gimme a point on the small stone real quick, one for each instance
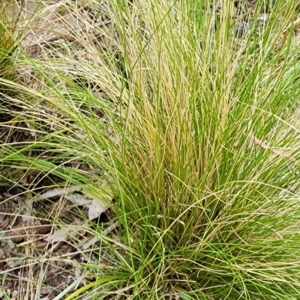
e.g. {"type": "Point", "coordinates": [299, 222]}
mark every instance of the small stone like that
{"type": "Point", "coordinates": [241, 29]}
{"type": "Point", "coordinates": [263, 18]}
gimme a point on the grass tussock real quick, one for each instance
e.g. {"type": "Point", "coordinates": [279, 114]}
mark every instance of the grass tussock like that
{"type": "Point", "coordinates": [198, 131]}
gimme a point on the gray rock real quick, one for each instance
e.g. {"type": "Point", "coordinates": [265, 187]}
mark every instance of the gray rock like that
{"type": "Point", "coordinates": [241, 29]}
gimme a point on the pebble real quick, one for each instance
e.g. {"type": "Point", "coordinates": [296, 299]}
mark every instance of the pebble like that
{"type": "Point", "coordinates": [241, 29]}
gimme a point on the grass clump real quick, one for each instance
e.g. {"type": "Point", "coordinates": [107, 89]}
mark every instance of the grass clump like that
{"type": "Point", "coordinates": [198, 131]}
{"type": "Point", "coordinates": [9, 41]}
